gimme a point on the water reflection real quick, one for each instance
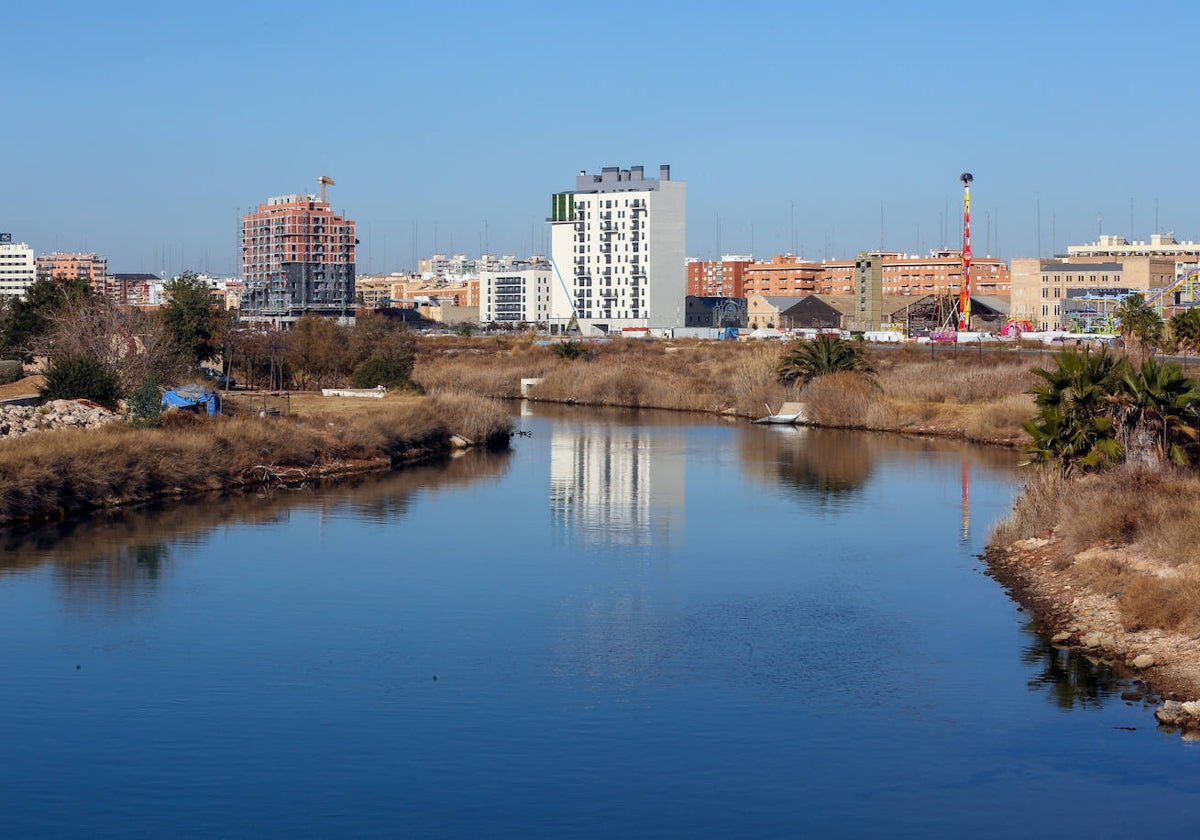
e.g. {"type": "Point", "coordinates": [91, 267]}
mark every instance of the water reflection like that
{"type": "Point", "coordinates": [1069, 678]}
{"type": "Point", "coordinates": [826, 464]}
{"type": "Point", "coordinates": [114, 556]}
{"type": "Point", "coordinates": [831, 467]}
{"type": "Point", "coordinates": [617, 485]}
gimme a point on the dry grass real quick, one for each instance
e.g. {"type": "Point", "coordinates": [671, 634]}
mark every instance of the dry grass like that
{"type": "Point", "coordinates": [1168, 602]}
{"type": "Point", "coordinates": [964, 395]}
{"type": "Point", "coordinates": [1037, 510]}
{"type": "Point", "coordinates": [51, 474]}
{"type": "Point", "coordinates": [848, 401]}
{"type": "Point", "coordinates": [1131, 535]}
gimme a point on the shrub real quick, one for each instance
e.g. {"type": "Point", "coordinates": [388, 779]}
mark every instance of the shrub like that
{"type": "Point", "coordinates": [572, 350]}
{"type": "Point", "coordinates": [81, 377]}
{"type": "Point", "coordinates": [381, 371]}
{"type": "Point", "coordinates": [10, 371]}
{"type": "Point", "coordinates": [145, 404]}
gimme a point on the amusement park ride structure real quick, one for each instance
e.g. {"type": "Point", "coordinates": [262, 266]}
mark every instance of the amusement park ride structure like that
{"type": "Point", "coordinates": [1091, 311]}
{"type": "Point", "coordinates": [1094, 310]}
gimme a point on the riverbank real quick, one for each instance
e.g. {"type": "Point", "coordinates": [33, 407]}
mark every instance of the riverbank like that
{"type": "Point", "coordinates": [1110, 565]}
{"type": "Point", "coordinates": [942, 391]}
{"type": "Point", "coordinates": [56, 474]}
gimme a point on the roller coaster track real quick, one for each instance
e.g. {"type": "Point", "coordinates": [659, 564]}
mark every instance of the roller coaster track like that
{"type": "Point", "coordinates": [1185, 281]}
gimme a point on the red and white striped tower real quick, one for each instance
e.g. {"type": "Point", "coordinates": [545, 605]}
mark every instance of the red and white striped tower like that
{"type": "Point", "coordinates": [964, 291]}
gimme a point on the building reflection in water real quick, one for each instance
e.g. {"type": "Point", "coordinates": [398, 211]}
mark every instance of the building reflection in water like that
{"type": "Point", "coordinates": [612, 485]}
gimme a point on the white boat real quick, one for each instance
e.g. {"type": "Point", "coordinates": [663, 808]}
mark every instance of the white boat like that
{"type": "Point", "coordinates": [789, 414]}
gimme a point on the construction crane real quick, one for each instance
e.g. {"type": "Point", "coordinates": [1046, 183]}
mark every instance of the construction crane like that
{"type": "Point", "coordinates": [325, 181]}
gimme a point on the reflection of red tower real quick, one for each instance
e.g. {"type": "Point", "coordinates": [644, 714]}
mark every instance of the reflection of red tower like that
{"type": "Point", "coordinates": [964, 291]}
{"type": "Point", "coordinates": [966, 499]}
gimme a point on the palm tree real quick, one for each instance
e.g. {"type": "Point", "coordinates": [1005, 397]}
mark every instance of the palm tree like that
{"type": "Point", "coordinates": [1141, 325]}
{"type": "Point", "coordinates": [824, 355]}
{"type": "Point", "coordinates": [1074, 425]}
{"type": "Point", "coordinates": [1157, 409]}
{"type": "Point", "coordinates": [1185, 329]}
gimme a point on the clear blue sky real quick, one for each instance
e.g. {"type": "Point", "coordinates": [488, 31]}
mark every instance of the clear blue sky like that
{"type": "Point", "coordinates": [142, 130]}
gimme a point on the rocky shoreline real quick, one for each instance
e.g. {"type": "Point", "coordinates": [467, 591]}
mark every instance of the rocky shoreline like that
{"type": "Point", "coordinates": [1075, 616]}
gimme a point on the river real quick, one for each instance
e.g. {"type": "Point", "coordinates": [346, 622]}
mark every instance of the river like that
{"type": "Point", "coordinates": [631, 624]}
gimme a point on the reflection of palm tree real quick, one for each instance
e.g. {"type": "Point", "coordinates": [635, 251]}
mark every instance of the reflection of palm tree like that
{"type": "Point", "coordinates": [1071, 678]}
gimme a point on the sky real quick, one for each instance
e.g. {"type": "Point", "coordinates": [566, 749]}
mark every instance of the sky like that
{"type": "Point", "coordinates": [143, 131]}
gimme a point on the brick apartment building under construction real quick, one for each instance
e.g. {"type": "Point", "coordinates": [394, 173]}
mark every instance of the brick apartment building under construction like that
{"type": "Point", "coordinates": [297, 258]}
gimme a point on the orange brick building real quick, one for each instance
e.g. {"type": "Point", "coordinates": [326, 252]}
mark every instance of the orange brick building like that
{"type": "Point", "coordinates": [718, 278]}
{"type": "Point", "coordinates": [786, 275]}
{"type": "Point", "coordinates": [92, 266]}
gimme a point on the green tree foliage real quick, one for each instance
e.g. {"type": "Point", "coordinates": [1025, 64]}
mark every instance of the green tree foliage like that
{"type": "Point", "coordinates": [807, 360]}
{"type": "Point", "coordinates": [10, 371]}
{"type": "Point", "coordinates": [81, 377]}
{"type": "Point", "coordinates": [192, 321]}
{"type": "Point", "coordinates": [1074, 426]}
{"type": "Point", "coordinates": [1141, 326]}
{"type": "Point", "coordinates": [145, 404]}
{"type": "Point", "coordinates": [571, 350]}
{"type": "Point", "coordinates": [1157, 409]}
{"type": "Point", "coordinates": [379, 371]}
{"type": "Point", "coordinates": [1095, 410]}
{"type": "Point", "coordinates": [27, 320]}
{"type": "Point", "coordinates": [390, 342]}
{"type": "Point", "coordinates": [1185, 330]}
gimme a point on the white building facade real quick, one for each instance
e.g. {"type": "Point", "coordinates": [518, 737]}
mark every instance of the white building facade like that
{"type": "Point", "coordinates": [516, 293]}
{"type": "Point", "coordinates": [18, 267]}
{"type": "Point", "coordinates": [618, 246]}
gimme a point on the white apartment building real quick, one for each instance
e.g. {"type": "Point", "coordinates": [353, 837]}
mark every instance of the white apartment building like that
{"type": "Point", "coordinates": [515, 293]}
{"type": "Point", "coordinates": [618, 246]}
{"type": "Point", "coordinates": [18, 267]}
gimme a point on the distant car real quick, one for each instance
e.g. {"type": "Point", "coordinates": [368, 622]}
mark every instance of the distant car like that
{"type": "Point", "coordinates": [214, 375]}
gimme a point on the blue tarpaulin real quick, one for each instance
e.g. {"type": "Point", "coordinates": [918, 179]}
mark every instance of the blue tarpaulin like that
{"type": "Point", "coordinates": [193, 396]}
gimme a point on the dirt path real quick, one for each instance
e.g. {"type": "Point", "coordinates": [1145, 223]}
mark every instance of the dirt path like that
{"type": "Point", "coordinates": [22, 387]}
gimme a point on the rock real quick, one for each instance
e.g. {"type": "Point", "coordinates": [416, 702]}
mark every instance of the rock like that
{"type": "Point", "coordinates": [1060, 638]}
{"type": "Point", "coordinates": [1091, 640]}
{"type": "Point", "coordinates": [1169, 713]}
{"type": "Point", "coordinates": [1143, 662]}
{"type": "Point", "coordinates": [460, 442]}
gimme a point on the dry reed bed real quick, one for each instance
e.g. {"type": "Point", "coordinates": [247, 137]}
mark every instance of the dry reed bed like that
{"type": "Point", "coordinates": [977, 397]}
{"type": "Point", "coordinates": [52, 474]}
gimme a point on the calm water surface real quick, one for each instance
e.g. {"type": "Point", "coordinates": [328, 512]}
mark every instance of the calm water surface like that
{"type": "Point", "coordinates": [631, 625]}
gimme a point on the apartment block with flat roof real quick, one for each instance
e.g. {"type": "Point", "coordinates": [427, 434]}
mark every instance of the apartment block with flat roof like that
{"type": "Point", "coordinates": [18, 268]}
{"type": "Point", "coordinates": [516, 294]}
{"type": "Point", "coordinates": [725, 277]}
{"type": "Point", "coordinates": [1118, 247]}
{"type": "Point", "coordinates": [92, 266]}
{"type": "Point", "coordinates": [618, 251]}
{"type": "Point", "coordinates": [903, 274]}
{"type": "Point", "coordinates": [297, 258]}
